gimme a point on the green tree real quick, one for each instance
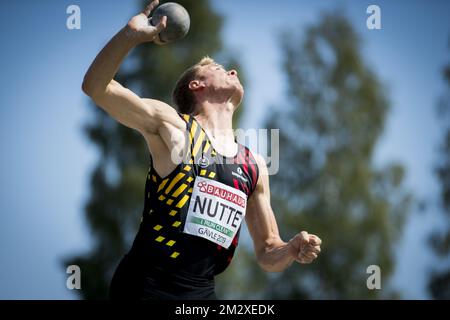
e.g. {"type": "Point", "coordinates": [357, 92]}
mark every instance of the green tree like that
{"type": "Point", "coordinates": [117, 183]}
{"type": "Point", "coordinates": [327, 183]}
{"type": "Point", "coordinates": [439, 283]}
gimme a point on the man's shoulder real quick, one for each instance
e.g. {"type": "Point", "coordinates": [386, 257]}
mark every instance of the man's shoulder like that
{"type": "Point", "coordinates": [166, 112]}
{"type": "Point", "coordinates": [260, 161]}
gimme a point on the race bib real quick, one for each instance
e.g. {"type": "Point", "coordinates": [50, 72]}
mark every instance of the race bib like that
{"type": "Point", "coordinates": [215, 212]}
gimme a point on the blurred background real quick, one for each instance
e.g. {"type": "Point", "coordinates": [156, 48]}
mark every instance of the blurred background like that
{"type": "Point", "coordinates": [364, 142]}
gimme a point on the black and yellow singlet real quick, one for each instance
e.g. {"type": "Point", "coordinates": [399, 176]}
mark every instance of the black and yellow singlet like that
{"type": "Point", "coordinates": [190, 225]}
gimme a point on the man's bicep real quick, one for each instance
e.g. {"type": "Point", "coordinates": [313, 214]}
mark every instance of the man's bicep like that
{"type": "Point", "coordinates": [260, 218]}
{"type": "Point", "coordinates": [144, 115]}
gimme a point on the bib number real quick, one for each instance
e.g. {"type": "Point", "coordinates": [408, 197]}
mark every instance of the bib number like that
{"type": "Point", "coordinates": [215, 212]}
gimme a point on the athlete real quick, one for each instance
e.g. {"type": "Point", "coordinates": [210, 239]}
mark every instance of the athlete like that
{"type": "Point", "coordinates": [201, 183]}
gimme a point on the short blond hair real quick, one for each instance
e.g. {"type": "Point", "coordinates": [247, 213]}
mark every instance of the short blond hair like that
{"type": "Point", "coordinates": [182, 96]}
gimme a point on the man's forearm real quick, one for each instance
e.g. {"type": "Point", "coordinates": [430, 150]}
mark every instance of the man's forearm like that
{"type": "Point", "coordinates": [276, 258]}
{"type": "Point", "coordinates": [107, 62]}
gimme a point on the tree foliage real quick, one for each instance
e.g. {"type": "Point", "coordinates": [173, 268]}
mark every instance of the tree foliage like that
{"type": "Point", "coordinates": [328, 183]}
{"type": "Point", "coordinates": [439, 283]}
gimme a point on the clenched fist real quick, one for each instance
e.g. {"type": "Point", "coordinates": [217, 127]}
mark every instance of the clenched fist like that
{"type": "Point", "coordinates": [304, 247]}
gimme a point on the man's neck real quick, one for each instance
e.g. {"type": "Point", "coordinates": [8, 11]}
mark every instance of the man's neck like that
{"type": "Point", "coordinates": [216, 119]}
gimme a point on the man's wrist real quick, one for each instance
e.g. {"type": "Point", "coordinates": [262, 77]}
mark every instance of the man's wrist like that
{"type": "Point", "coordinates": [130, 37]}
{"type": "Point", "coordinates": [291, 251]}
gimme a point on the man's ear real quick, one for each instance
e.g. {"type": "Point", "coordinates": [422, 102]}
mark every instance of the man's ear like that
{"type": "Point", "coordinates": [195, 85]}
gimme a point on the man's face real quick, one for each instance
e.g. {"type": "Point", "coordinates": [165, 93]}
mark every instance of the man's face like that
{"type": "Point", "coordinates": [221, 83]}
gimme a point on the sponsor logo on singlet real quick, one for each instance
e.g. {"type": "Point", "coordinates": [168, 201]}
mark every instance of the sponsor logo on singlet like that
{"type": "Point", "coordinates": [239, 175]}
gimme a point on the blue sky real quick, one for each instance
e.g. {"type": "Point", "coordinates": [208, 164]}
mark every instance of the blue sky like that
{"type": "Point", "coordinates": [46, 161]}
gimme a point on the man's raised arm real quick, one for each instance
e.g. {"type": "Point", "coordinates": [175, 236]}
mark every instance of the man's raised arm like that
{"type": "Point", "coordinates": [121, 103]}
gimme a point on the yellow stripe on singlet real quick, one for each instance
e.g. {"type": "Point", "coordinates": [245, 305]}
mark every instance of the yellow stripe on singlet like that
{"type": "Point", "coordinates": [193, 131]}
{"type": "Point", "coordinates": [176, 223]}
{"type": "Point", "coordinates": [174, 181]}
{"type": "Point", "coordinates": [162, 184]}
{"type": "Point", "coordinates": [179, 190]}
{"type": "Point", "coordinates": [170, 243]}
{"type": "Point", "coordinates": [181, 203]}
{"type": "Point", "coordinates": [198, 143]}
{"type": "Point", "coordinates": [206, 148]}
